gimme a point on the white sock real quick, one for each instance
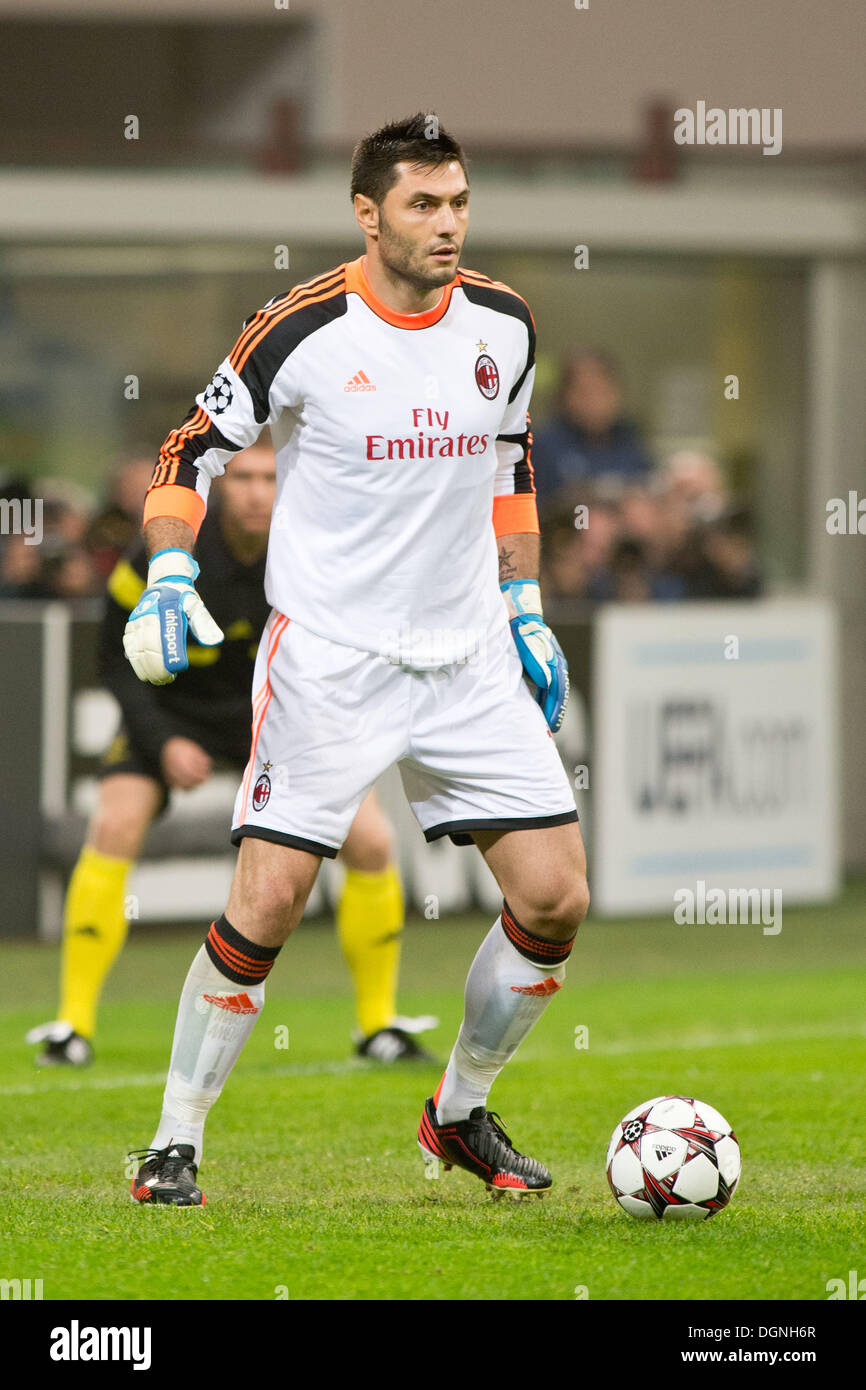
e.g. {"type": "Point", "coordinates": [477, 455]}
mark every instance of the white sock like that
{"type": "Point", "coordinates": [208, 1039]}
{"type": "Point", "coordinates": [506, 994]}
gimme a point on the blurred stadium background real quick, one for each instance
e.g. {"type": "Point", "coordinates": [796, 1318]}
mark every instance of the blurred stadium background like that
{"type": "Point", "coordinates": [716, 629]}
{"type": "Point", "coordinates": [128, 264]}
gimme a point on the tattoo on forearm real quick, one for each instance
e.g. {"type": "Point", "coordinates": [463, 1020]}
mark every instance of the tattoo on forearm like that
{"type": "Point", "coordinates": [507, 567]}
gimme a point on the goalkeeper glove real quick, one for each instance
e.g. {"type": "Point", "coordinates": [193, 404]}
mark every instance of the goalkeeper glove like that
{"type": "Point", "coordinates": [543, 662]}
{"type": "Point", "coordinates": [155, 636]}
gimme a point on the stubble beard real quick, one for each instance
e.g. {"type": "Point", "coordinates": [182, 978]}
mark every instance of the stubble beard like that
{"type": "Point", "coordinates": [403, 257]}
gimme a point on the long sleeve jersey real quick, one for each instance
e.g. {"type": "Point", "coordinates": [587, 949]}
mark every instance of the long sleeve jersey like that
{"type": "Point", "coordinates": [210, 701]}
{"type": "Point", "coordinates": [398, 439]}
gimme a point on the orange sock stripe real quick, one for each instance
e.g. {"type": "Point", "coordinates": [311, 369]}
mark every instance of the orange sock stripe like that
{"type": "Point", "coordinates": [224, 945]}
{"type": "Point", "coordinates": [243, 974]}
{"type": "Point", "coordinates": [536, 948]}
{"type": "Point", "coordinates": [237, 959]}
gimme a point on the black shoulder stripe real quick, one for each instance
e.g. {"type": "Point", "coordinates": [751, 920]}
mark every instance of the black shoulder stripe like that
{"type": "Point", "coordinates": [183, 447]}
{"type": "Point", "coordinates": [318, 285]}
{"type": "Point", "coordinates": [505, 303]}
{"type": "Point", "coordinates": [523, 476]}
{"type": "Point", "coordinates": [280, 341]}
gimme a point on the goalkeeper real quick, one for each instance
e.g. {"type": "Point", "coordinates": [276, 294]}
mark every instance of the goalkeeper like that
{"type": "Point", "coordinates": [173, 737]}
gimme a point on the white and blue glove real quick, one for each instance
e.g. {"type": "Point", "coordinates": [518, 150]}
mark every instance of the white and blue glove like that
{"type": "Point", "coordinates": [155, 636]}
{"type": "Point", "coordinates": [543, 662]}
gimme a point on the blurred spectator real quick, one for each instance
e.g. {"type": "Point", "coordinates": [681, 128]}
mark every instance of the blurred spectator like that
{"type": "Point", "coordinates": [118, 522]}
{"type": "Point", "coordinates": [12, 487]}
{"type": "Point", "coordinates": [696, 480]}
{"type": "Point", "coordinates": [726, 565]}
{"type": "Point", "coordinates": [66, 509]}
{"type": "Point", "coordinates": [576, 549]}
{"type": "Point", "coordinates": [567, 569]}
{"type": "Point", "coordinates": [589, 436]}
{"type": "Point", "coordinates": [57, 565]}
{"type": "Point", "coordinates": [677, 538]}
{"type": "Point", "coordinates": [21, 570]}
{"type": "Point", "coordinates": [631, 577]}
{"type": "Point", "coordinates": [70, 574]}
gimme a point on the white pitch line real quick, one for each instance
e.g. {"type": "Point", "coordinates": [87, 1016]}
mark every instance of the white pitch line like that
{"type": "Point", "coordinates": [157, 1078]}
{"type": "Point", "coordinates": [743, 1038]}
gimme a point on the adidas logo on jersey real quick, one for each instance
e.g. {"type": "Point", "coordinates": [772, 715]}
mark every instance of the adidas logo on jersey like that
{"type": "Point", "coordinates": [359, 382]}
{"type": "Point", "coordinates": [234, 1003]}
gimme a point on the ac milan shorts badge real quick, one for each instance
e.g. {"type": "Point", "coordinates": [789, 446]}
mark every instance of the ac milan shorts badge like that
{"type": "Point", "coordinates": [487, 376]}
{"type": "Point", "coordinates": [261, 792]}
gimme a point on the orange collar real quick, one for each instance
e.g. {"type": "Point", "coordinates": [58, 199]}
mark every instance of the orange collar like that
{"type": "Point", "coordinates": [357, 283]}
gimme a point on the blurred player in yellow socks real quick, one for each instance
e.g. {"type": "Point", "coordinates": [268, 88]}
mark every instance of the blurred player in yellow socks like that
{"type": "Point", "coordinates": [94, 930]}
{"type": "Point", "coordinates": [370, 926]}
{"type": "Point", "coordinates": [173, 737]}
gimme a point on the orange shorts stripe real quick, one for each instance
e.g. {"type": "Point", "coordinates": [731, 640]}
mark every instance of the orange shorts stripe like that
{"type": "Point", "coordinates": [260, 707]}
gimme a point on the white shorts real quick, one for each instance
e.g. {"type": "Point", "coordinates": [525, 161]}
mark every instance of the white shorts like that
{"type": "Point", "coordinates": [473, 747]}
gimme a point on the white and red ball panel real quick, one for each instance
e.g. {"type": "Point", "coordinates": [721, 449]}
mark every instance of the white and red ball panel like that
{"type": "Point", "coordinates": [729, 1161]}
{"type": "Point", "coordinates": [663, 1152]}
{"type": "Point", "coordinates": [686, 1211]}
{"type": "Point", "coordinates": [673, 1158]}
{"type": "Point", "coordinates": [626, 1172]}
{"type": "Point", "coordinates": [710, 1118]}
{"type": "Point", "coordinates": [641, 1109]}
{"type": "Point", "coordinates": [635, 1206]}
{"type": "Point", "coordinates": [697, 1179]}
{"type": "Point", "coordinates": [673, 1112]}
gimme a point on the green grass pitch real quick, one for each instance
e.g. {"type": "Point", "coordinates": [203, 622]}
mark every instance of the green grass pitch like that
{"type": "Point", "coordinates": [314, 1182]}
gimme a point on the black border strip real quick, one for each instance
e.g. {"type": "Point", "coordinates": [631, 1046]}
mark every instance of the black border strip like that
{"type": "Point", "coordinates": [457, 829]}
{"type": "Point", "coordinates": [277, 837]}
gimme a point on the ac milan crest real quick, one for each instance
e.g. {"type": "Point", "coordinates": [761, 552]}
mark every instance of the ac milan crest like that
{"type": "Point", "coordinates": [261, 792]}
{"type": "Point", "coordinates": [487, 376]}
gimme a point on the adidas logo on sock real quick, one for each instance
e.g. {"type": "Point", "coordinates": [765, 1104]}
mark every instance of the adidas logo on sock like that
{"type": "Point", "coordinates": [234, 1003]}
{"type": "Point", "coordinates": [359, 382]}
{"type": "Point", "coordinates": [548, 986]}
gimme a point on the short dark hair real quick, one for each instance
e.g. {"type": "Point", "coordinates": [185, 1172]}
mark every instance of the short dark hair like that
{"type": "Point", "coordinates": [419, 139]}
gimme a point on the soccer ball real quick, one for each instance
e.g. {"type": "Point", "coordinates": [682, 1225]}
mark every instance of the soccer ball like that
{"type": "Point", "coordinates": [673, 1159]}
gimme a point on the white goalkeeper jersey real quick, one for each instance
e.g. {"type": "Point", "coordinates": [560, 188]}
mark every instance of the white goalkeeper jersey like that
{"type": "Point", "coordinates": [402, 449]}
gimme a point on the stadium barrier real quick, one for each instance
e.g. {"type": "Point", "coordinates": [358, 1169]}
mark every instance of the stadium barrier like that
{"type": "Point", "coordinates": [699, 740]}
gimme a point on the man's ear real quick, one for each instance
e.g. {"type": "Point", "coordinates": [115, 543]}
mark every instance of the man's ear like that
{"type": "Point", "coordinates": [366, 214]}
